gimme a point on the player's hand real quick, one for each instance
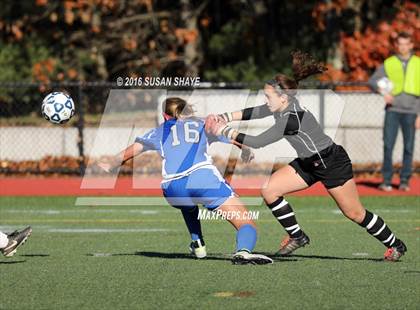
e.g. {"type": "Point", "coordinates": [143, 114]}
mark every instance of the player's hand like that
{"type": "Point", "coordinates": [247, 155]}
{"type": "Point", "coordinates": [214, 125]}
{"type": "Point", "coordinates": [210, 121]}
{"type": "Point", "coordinates": [417, 125]}
{"type": "Point", "coordinates": [388, 99]}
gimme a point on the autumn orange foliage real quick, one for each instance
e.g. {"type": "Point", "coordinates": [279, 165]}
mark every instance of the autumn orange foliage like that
{"type": "Point", "coordinates": [42, 70]}
{"type": "Point", "coordinates": [364, 51]}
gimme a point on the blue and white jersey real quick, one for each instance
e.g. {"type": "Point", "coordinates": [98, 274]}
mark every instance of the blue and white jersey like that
{"type": "Point", "coordinates": [182, 144]}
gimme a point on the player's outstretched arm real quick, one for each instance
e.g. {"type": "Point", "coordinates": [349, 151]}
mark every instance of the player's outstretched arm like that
{"type": "Point", "coordinates": [220, 128]}
{"type": "Point", "coordinates": [231, 116]}
{"type": "Point", "coordinates": [119, 159]}
{"type": "Point", "coordinates": [245, 114]}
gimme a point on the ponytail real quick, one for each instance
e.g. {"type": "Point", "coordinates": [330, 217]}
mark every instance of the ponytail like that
{"type": "Point", "coordinates": [303, 65]}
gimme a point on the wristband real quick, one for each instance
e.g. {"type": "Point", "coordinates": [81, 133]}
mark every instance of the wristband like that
{"type": "Point", "coordinates": [228, 132]}
{"type": "Point", "coordinates": [227, 116]}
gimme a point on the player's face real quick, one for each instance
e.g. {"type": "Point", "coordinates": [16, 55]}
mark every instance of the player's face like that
{"type": "Point", "coordinates": [404, 46]}
{"type": "Point", "coordinates": [275, 101]}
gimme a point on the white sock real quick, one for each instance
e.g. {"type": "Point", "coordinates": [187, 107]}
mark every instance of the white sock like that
{"type": "Point", "coordinates": [3, 240]}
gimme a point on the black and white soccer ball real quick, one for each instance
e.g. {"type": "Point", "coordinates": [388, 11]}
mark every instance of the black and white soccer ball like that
{"type": "Point", "coordinates": [57, 107]}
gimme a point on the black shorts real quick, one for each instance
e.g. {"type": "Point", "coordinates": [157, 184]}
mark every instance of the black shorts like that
{"type": "Point", "coordinates": [333, 170]}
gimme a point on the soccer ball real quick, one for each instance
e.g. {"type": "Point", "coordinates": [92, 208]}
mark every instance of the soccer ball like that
{"type": "Point", "coordinates": [385, 86]}
{"type": "Point", "coordinates": [57, 108]}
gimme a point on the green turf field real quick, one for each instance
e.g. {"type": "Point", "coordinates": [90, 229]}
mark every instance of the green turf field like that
{"type": "Point", "coordinates": [135, 257]}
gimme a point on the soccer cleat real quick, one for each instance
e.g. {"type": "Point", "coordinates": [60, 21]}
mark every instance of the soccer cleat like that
{"type": "Point", "coordinates": [289, 245]}
{"type": "Point", "coordinates": [385, 187]}
{"type": "Point", "coordinates": [394, 253]}
{"type": "Point", "coordinates": [243, 257]}
{"type": "Point", "coordinates": [198, 248]}
{"type": "Point", "coordinates": [16, 239]}
{"type": "Point", "coordinates": [404, 187]}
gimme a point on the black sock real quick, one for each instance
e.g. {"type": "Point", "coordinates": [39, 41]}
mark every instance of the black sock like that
{"type": "Point", "coordinates": [193, 223]}
{"type": "Point", "coordinates": [376, 226]}
{"type": "Point", "coordinates": [283, 212]}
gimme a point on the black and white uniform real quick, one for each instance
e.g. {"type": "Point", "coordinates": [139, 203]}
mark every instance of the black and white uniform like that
{"type": "Point", "coordinates": [319, 158]}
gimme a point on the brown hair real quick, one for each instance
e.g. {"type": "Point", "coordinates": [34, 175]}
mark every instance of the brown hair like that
{"type": "Point", "coordinates": [176, 107]}
{"type": "Point", "coordinates": [403, 35]}
{"type": "Point", "coordinates": [303, 65]}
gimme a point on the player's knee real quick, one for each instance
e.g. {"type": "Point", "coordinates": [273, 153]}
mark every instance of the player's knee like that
{"type": "Point", "coordinates": [264, 192]}
{"type": "Point", "coordinates": [355, 215]}
{"type": "Point", "coordinates": [269, 193]}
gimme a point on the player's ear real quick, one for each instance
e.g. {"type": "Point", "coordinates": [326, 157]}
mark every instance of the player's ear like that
{"type": "Point", "coordinates": [166, 116]}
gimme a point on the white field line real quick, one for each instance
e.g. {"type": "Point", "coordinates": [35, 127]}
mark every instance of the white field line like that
{"type": "Point", "coordinates": [10, 228]}
{"type": "Point", "coordinates": [46, 228]}
{"type": "Point", "coordinates": [360, 254]}
{"type": "Point", "coordinates": [137, 201]}
{"type": "Point", "coordinates": [108, 230]}
{"type": "Point", "coordinates": [54, 212]}
{"type": "Point", "coordinates": [382, 211]}
{"type": "Point", "coordinates": [101, 254]}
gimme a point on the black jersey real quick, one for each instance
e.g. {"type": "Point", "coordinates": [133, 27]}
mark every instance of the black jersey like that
{"type": "Point", "coordinates": [296, 124]}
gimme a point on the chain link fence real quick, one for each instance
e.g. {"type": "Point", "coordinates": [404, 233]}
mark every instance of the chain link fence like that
{"type": "Point", "coordinates": [31, 145]}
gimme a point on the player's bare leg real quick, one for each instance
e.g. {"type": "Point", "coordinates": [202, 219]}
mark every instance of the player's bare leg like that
{"type": "Point", "coordinates": [347, 199]}
{"type": "Point", "coordinates": [282, 182]}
